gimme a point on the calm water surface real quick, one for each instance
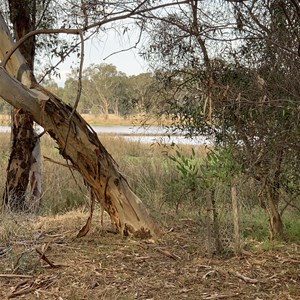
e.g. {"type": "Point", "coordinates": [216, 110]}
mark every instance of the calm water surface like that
{"type": "Point", "coordinates": [148, 134]}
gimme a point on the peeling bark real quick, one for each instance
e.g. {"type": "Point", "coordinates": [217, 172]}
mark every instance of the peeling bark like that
{"type": "Point", "coordinates": [24, 140]}
{"type": "Point", "coordinates": [80, 145]}
{"type": "Point", "coordinates": [20, 161]}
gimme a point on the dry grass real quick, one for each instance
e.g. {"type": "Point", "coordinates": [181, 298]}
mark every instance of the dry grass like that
{"type": "Point", "coordinates": [95, 119]}
{"type": "Point", "coordinates": [112, 119]}
{"type": "Point", "coordinates": [4, 119]}
{"type": "Point", "coordinates": [144, 166]}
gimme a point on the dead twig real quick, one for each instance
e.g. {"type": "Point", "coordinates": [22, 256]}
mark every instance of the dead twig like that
{"type": "Point", "coordinates": [220, 296]}
{"type": "Point", "coordinates": [16, 265]}
{"type": "Point", "coordinates": [244, 278]}
{"type": "Point", "coordinates": [209, 274]}
{"type": "Point", "coordinates": [46, 158]}
{"type": "Point", "coordinates": [15, 276]}
{"type": "Point", "coordinates": [288, 202]}
{"type": "Point", "coordinates": [29, 286]}
{"type": "Point", "coordinates": [44, 257]}
{"type": "Point", "coordinates": [86, 228]}
{"type": "Point", "coordinates": [167, 253]}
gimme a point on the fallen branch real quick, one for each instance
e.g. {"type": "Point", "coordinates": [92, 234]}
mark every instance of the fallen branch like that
{"type": "Point", "coordinates": [23, 291]}
{"type": "Point", "coordinates": [167, 253]}
{"type": "Point", "coordinates": [29, 286]}
{"type": "Point", "coordinates": [44, 257]}
{"type": "Point", "coordinates": [221, 296]}
{"type": "Point", "coordinates": [15, 276]}
{"type": "Point", "coordinates": [244, 278]}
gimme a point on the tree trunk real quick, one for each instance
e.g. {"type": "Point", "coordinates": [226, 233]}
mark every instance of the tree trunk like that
{"type": "Point", "coordinates": [216, 225]}
{"type": "Point", "coordinates": [35, 177]}
{"type": "Point", "coordinates": [20, 161]}
{"type": "Point", "coordinates": [79, 144]}
{"type": "Point", "coordinates": [234, 201]}
{"type": "Point", "coordinates": [23, 138]}
{"type": "Point", "coordinates": [275, 221]}
{"type": "Point", "coordinates": [105, 108]}
{"type": "Point", "coordinates": [208, 224]}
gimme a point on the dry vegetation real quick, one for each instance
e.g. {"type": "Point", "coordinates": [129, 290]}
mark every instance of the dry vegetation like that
{"type": "Point", "coordinates": [41, 258]}
{"type": "Point", "coordinates": [104, 266]}
{"type": "Point", "coordinates": [99, 119]}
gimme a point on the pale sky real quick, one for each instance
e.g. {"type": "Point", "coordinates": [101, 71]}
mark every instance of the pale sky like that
{"type": "Point", "coordinates": [97, 51]}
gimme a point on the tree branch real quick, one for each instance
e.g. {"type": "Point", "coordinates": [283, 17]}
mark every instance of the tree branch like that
{"type": "Point", "coordinates": [36, 32]}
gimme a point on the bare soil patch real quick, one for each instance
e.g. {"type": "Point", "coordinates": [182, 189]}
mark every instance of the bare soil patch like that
{"type": "Point", "coordinates": [104, 265]}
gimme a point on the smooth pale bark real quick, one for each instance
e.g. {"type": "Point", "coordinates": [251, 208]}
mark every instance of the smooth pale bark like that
{"type": "Point", "coordinates": [16, 66]}
{"type": "Point", "coordinates": [13, 89]}
{"type": "Point", "coordinates": [79, 144]}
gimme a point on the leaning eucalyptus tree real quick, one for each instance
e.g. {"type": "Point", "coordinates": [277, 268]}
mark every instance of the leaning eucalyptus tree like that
{"type": "Point", "coordinates": [76, 140]}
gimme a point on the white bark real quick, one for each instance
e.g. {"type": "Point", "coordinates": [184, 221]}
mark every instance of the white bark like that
{"type": "Point", "coordinates": [16, 66]}
{"type": "Point", "coordinates": [16, 94]}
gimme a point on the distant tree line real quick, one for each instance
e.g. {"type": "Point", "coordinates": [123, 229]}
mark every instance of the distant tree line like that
{"type": "Point", "coordinates": [105, 90]}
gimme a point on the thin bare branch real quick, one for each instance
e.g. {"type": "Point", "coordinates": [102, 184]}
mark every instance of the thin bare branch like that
{"type": "Point", "coordinates": [127, 49]}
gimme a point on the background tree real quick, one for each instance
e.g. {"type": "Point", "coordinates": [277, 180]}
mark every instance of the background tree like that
{"type": "Point", "coordinates": [70, 92]}
{"type": "Point", "coordinates": [142, 92]}
{"type": "Point", "coordinates": [53, 87]}
{"type": "Point", "coordinates": [243, 95]}
{"type": "Point", "coordinates": [106, 90]}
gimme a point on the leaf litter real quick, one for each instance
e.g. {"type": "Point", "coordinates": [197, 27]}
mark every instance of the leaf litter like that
{"type": "Point", "coordinates": [45, 260]}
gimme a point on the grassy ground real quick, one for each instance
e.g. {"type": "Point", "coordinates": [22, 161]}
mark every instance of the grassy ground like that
{"type": "Point", "coordinates": [104, 265]}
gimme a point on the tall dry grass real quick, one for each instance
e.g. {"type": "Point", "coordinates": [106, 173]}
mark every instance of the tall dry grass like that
{"type": "Point", "coordinates": [155, 179]}
{"type": "Point", "coordinates": [145, 166]}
